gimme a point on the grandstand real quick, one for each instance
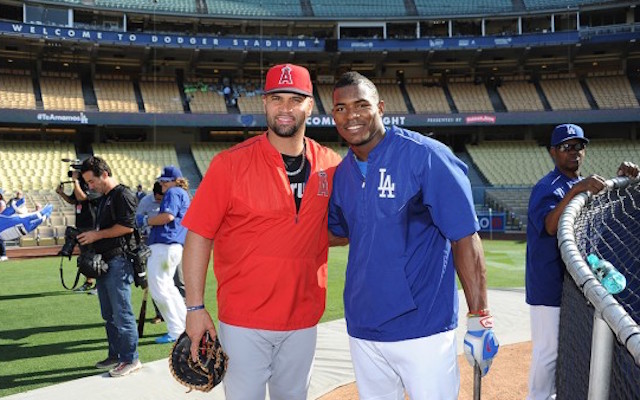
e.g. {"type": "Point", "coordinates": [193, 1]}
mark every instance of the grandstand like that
{"type": "Point", "coordinates": [147, 83]}
{"type": "Point", "coordinates": [488, 78]}
{"type": "Point", "coordinates": [16, 90]}
{"type": "Point", "coordinates": [137, 163]}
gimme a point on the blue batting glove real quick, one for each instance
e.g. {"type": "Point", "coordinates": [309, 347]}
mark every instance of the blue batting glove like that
{"type": "Point", "coordinates": [480, 343]}
{"type": "Point", "coordinates": [16, 225]}
{"type": "Point", "coordinates": [142, 221]}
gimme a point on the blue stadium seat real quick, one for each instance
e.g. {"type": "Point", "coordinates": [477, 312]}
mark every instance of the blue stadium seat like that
{"type": "Point", "coordinates": [359, 8]}
{"type": "Point", "coordinates": [255, 8]}
{"type": "Point", "coordinates": [448, 7]}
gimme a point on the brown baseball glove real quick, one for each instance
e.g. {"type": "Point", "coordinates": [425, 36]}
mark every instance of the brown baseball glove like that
{"type": "Point", "coordinates": [203, 374]}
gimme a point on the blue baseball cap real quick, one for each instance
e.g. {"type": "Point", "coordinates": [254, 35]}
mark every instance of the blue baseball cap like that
{"type": "Point", "coordinates": [564, 132]}
{"type": "Point", "coordinates": [170, 173]}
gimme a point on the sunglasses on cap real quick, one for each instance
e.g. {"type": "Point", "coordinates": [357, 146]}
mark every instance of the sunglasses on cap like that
{"type": "Point", "coordinates": [565, 147]}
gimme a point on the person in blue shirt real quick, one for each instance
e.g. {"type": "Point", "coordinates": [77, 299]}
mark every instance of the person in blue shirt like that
{"type": "Point", "coordinates": [404, 202]}
{"type": "Point", "coordinates": [544, 267]}
{"type": "Point", "coordinates": [166, 239]}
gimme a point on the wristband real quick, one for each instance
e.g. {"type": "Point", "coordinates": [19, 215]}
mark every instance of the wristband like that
{"type": "Point", "coordinates": [479, 313]}
{"type": "Point", "coordinates": [195, 308]}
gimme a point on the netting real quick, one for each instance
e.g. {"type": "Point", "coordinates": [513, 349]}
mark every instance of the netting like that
{"type": "Point", "coordinates": [574, 343]}
{"type": "Point", "coordinates": [609, 226]}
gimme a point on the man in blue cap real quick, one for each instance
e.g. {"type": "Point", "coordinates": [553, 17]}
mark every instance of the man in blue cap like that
{"type": "Point", "coordinates": [166, 239]}
{"type": "Point", "coordinates": [545, 268]}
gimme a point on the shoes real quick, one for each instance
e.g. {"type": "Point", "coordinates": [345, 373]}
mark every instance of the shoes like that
{"type": "Point", "coordinates": [4, 258]}
{"type": "Point", "coordinates": [107, 363]}
{"type": "Point", "coordinates": [125, 368]}
{"type": "Point", "coordinates": [93, 292]}
{"type": "Point", "coordinates": [84, 288]}
{"type": "Point", "coordinates": [166, 338]}
{"type": "Point", "coordinates": [156, 320]}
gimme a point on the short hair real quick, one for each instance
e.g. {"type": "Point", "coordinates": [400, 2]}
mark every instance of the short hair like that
{"type": "Point", "coordinates": [157, 188]}
{"type": "Point", "coordinates": [96, 165]}
{"type": "Point", "coordinates": [354, 78]}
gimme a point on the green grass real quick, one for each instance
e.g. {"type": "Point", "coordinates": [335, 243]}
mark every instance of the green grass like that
{"type": "Point", "coordinates": [49, 335]}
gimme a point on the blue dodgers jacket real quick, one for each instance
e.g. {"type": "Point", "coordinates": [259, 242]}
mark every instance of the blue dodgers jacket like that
{"type": "Point", "coordinates": [400, 220]}
{"type": "Point", "coordinates": [545, 269]}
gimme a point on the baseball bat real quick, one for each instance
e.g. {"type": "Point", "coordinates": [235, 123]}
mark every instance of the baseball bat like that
{"type": "Point", "coordinates": [477, 381]}
{"type": "Point", "coordinates": [143, 312]}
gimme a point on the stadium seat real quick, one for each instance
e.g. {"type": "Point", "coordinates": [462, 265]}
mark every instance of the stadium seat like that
{"type": "Point", "coordinates": [29, 239]}
{"type": "Point", "coordinates": [137, 163]}
{"type": "Point", "coordinates": [16, 90]}
{"type": "Point", "coordinates": [448, 7]}
{"type": "Point", "coordinates": [46, 236]}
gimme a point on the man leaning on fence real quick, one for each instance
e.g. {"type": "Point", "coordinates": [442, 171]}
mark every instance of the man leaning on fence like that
{"type": "Point", "coordinates": [545, 269]}
{"type": "Point", "coordinates": [115, 221]}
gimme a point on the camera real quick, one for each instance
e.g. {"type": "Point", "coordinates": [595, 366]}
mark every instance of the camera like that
{"type": "Point", "coordinates": [138, 257]}
{"type": "Point", "coordinates": [74, 165]}
{"type": "Point", "coordinates": [70, 241]}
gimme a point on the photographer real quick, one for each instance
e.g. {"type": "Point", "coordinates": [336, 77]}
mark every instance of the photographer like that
{"type": "Point", "coordinates": [85, 215]}
{"type": "Point", "coordinates": [115, 222]}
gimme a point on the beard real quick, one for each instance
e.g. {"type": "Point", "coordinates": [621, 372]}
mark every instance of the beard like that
{"type": "Point", "coordinates": [284, 131]}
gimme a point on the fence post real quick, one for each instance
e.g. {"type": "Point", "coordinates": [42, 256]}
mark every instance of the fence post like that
{"type": "Point", "coordinates": [602, 341]}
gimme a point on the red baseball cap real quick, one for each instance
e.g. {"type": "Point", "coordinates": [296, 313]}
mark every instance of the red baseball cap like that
{"type": "Point", "coordinates": [289, 78]}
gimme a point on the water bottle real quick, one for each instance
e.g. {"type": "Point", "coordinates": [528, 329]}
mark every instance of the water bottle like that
{"type": "Point", "coordinates": [607, 274]}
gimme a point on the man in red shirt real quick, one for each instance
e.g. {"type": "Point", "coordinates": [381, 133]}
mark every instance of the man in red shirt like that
{"type": "Point", "coordinates": [263, 203]}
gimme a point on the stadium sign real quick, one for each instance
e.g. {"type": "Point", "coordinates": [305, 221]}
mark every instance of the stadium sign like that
{"type": "Point", "coordinates": [492, 222]}
{"type": "Point", "coordinates": [163, 40]}
{"type": "Point", "coordinates": [327, 120]}
{"type": "Point", "coordinates": [240, 121]}
{"type": "Point", "coordinates": [48, 117]}
{"type": "Point", "coordinates": [312, 44]}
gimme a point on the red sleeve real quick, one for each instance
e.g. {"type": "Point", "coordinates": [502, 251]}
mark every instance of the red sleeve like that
{"type": "Point", "coordinates": [211, 200]}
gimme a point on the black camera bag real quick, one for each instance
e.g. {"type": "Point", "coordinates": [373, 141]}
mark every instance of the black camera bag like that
{"type": "Point", "coordinates": [92, 265]}
{"type": "Point", "coordinates": [138, 256]}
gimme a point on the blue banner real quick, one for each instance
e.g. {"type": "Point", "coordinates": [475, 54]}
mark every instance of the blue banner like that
{"type": "Point", "coordinates": [161, 40]}
{"type": "Point", "coordinates": [173, 40]}
{"type": "Point", "coordinates": [492, 222]}
{"type": "Point", "coordinates": [458, 43]}
{"type": "Point", "coordinates": [239, 121]}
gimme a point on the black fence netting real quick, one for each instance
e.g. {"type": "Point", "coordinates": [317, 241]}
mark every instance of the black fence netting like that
{"type": "Point", "coordinates": [574, 345]}
{"type": "Point", "coordinates": [609, 227]}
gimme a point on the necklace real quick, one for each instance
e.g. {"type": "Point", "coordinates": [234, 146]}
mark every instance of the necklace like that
{"type": "Point", "coordinates": [296, 172]}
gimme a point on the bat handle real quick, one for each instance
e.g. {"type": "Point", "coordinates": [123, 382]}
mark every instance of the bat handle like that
{"type": "Point", "coordinates": [477, 381]}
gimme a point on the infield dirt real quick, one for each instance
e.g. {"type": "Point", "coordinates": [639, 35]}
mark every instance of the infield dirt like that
{"type": "Point", "coordinates": [507, 379]}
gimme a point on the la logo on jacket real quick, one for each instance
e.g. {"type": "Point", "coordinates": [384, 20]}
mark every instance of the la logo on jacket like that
{"type": "Point", "coordinates": [386, 186]}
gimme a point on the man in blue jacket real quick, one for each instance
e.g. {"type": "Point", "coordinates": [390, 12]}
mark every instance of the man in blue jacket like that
{"type": "Point", "coordinates": [404, 201]}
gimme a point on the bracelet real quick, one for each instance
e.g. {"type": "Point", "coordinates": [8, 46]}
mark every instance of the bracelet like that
{"type": "Point", "coordinates": [479, 313]}
{"type": "Point", "coordinates": [195, 308]}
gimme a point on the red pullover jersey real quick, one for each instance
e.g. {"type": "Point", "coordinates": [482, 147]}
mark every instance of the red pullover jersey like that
{"type": "Point", "coordinates": [270, 261]}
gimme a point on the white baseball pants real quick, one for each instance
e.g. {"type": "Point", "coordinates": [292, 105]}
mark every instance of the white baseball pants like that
{"type": "Point", "coordinates": [161, 268]}
{"type": "Point", "coordinates": [545, 328]}
{"type": "Point", "coordinates": [427, 368]}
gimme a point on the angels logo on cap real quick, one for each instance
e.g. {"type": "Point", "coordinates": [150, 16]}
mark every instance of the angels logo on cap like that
{"type": "Point", "coordinates": [285, 76]}
{"type": "Point", "coordinates": [289, 78]}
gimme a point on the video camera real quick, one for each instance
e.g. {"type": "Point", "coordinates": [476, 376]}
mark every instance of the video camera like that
{"type": "Point", "coordinates": [74, 165]}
